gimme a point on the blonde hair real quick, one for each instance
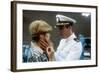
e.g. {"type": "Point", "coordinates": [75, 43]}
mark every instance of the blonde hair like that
{"type": "Point", "coordinates": [39, 26]}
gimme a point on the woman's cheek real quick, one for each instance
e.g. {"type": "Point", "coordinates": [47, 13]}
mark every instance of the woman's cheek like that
{"type": "Point", "coordinates": [48, 37]}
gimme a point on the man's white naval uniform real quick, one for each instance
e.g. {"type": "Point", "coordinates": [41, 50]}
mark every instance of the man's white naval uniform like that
{"type": "Point", "coordinates": [69, 49]}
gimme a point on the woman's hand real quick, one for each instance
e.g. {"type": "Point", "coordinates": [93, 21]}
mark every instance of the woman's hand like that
{"type": "Point", "coordinates": [48, 47]}
{"type": "Point", "coordinates": [43, 44]}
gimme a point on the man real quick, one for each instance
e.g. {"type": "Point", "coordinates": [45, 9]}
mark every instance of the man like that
{"type": "Point", "coordinates": [69, 48]}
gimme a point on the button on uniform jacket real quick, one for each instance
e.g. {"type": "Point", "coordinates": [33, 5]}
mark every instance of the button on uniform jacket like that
{"type": "Point", "coordinates": [69, 49]}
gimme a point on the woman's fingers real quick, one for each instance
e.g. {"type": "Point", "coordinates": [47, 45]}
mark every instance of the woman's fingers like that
{"type": "Point", "coordinates": [43, 44]}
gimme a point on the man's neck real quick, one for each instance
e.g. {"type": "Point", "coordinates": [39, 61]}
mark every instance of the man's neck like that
{"type": "Point", "coordinates": [69, 34]}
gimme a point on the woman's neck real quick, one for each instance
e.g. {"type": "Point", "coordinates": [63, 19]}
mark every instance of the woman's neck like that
{"type": "Point", "coordinates": [38, 45]}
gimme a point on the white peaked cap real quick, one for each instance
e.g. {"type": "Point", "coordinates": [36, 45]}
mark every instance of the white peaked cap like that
{"type": "Point", "coordinates": [64, 19]}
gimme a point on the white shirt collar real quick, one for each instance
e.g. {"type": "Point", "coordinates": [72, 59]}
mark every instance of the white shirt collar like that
{"type": "Point", "coordinates": [71, 37]}
{"type": "Point", "coordinates": [33, 45]}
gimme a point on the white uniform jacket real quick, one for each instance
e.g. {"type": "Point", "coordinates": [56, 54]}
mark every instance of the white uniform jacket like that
{"type": "Point", "coordinates": [69, 49]}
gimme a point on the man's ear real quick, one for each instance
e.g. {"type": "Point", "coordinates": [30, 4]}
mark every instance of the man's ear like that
{"type": "Point", "coordinates": [70, 27]}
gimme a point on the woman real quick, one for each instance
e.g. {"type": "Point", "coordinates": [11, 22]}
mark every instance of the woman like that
{"type": "Point", "coordinates": [39, 30]}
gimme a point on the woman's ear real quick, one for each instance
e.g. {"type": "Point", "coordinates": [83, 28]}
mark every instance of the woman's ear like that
{"type": "Point", "coordinates": [41, 36]}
